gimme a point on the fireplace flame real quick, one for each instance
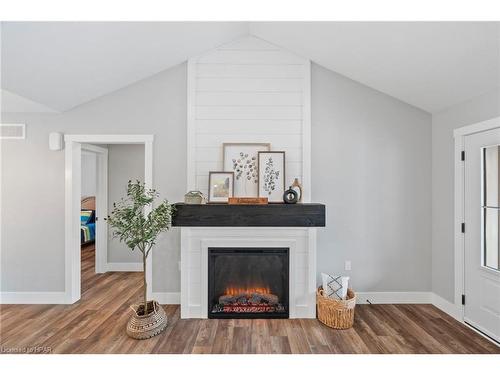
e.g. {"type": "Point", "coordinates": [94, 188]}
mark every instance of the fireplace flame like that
{"type": "Point", "coordinates": [232, 291]}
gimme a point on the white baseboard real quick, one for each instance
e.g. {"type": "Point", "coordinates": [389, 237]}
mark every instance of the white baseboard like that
{"type": "Point", "coordinates": [164, 298]}
{"type": "Point", "coordinates": [446, 306]}
{"type": "Point", "coordinates": [23, 298]}
{"type": "Point", "coordinates": [123, 267]}
{"type": "Point", "coordinates": [393, 297]}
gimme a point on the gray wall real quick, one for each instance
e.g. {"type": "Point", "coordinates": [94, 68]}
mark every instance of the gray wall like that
{"type": "Point", "coordinates": [479, 109]}
{"type": "Point", "coordinates": [125, 162]}
{"type": "Point", "coordinates": [33, 178]}
{"type": "Point", "coordinates": [89, 174]}
{"type": "Point", "coordinates": [32, 240]}
{"type": "Point", "coordinates": [371, 165]}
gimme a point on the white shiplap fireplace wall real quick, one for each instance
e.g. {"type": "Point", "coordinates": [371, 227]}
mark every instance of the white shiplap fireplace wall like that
{"type": "Point", "coordinates": [243, 92]}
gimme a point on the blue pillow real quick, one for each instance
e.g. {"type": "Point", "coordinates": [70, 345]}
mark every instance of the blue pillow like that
{"type": "Point", "coordinates": [86, 216]}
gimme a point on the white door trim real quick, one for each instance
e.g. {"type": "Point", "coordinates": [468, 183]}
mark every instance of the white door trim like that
{"type": "Point", "coordinates": [73, 145]}
{"type": "Point", "coordinates": [94, 148]}
{"type": "Point", "coordinates": [101, 240]}
{"type": "Point", "coordinates": [459, 135]}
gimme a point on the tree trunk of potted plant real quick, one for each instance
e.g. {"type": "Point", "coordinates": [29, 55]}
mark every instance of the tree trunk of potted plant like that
{"type": "Point", "coordinates": [145, 284]}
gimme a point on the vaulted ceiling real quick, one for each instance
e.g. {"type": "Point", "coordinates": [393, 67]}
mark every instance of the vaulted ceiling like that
{"type": "Point", "coordinates": [432, 66]}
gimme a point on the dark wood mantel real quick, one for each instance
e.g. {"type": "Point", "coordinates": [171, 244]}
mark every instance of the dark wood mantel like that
{"type": "Point", "coordinates": [269, 215]}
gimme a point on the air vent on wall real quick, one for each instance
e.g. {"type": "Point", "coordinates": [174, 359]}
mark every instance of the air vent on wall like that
{"type": "Point", "coordinates": [12, 131]}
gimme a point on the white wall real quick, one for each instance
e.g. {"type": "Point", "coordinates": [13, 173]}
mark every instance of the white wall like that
{"type": "Point", "coordinates": [371, 166]}
{"type": "Point", "coordinates": [125, 162]}
{"type": "Point", "coordinates": [478, 109]}
{"type": "Point", "coordinates": [89, 174]}
{"type": "Point", "coordinates": [247, 91]}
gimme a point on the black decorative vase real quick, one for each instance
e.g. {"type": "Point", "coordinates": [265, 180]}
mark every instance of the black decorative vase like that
{"type": "Point", "coordinates": [290, 196]}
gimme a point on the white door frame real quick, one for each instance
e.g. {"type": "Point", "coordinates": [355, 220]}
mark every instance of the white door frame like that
{"type": "Point", "coordinates": [101, 201]}
{"type": "Point", "coordinates": [459, 135]}
{"type": "Point", "coordinates": [73, 146]}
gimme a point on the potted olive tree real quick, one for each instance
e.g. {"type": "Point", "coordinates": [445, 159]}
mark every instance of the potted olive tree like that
{"type": "Point", "coordinates": [139, 231]}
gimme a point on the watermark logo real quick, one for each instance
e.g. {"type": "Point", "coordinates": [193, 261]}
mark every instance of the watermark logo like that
{"type": "Point", "coordinates": [25, 350]}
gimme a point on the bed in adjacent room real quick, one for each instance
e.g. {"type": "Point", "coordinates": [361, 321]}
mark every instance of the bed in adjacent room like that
{"type": "Point", "coordinates": [87, 221]}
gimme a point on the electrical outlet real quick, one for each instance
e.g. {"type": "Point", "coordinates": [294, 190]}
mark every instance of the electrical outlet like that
{"type": "Point", "coordinates": [347, 266]}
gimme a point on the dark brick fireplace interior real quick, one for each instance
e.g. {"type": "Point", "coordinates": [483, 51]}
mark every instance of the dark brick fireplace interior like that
{"type": "Point", "coordinates": [248, 282]}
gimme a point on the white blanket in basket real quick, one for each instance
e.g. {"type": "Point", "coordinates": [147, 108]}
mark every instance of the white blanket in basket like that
{"type": "Point", "coordinates": [335, 286]}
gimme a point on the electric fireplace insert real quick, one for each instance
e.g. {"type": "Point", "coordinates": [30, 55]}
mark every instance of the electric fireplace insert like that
{"type": "Point", "coordinates": [248, 282]}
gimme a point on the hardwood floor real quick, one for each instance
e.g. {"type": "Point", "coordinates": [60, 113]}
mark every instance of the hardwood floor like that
{"type": "Point", "coordinates": [96, 324]}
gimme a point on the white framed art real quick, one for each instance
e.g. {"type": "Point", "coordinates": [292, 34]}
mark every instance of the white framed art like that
{"type": "Point", "coordinates": [241, 158]}
{"type": "Point", "coordinates": [271, 181]}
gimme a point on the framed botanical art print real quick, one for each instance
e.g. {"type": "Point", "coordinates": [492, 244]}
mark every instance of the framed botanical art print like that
{"type": "Point", "coordinates": [271, 181]}
{"type": "Point", "coordinates": [241, 158]}
{"type": "Point", "coordinates": [220, 186]}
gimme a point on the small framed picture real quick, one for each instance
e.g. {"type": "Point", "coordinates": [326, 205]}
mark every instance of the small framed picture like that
{"type": "Point", "coordinates": [271, 180]}
{"type": "Point", "coordinates": [220, 186]}
{"type": "Point", "coordinates": [241, 158]}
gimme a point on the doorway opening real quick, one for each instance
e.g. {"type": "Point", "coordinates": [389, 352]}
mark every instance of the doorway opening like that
{"type": "Point", "coordinates": [111, 179]}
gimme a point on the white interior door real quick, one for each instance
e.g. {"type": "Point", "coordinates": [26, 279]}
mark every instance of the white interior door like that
{"type": "Point", "coordinates": [101, 201]}
{"type": "Point", "coordinates": [102, 212]}
{"type": "Point", "coordinates": [482, 238]}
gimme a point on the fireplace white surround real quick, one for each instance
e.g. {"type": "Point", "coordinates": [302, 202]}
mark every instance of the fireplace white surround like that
{"type": "Point", "coordinates": [195, 242]}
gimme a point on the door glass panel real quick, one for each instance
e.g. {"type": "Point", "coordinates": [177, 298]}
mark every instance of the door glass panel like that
{"type": "Point", "coordinates": [491, 206]}
{"type": "Point", "coordinates": [491, 237]}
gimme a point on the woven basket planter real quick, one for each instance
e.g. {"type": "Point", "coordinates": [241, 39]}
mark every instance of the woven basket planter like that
{"type": "Point", "coordinates": [338, 314]}
{"type": "Point", "coordinates": [145, 326]}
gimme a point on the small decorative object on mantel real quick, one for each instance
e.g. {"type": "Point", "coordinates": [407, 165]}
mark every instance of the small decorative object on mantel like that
{"type": "Point", "coordinates": [296, 185]}
{"type": "Point", "coordinates": [194, 197]}
{"type": "Point", "coordinates": [271, 179]}
{"type": "Point", "coordinates": [290, 196]}
{"type": "Point", "coordinates": [140, 232]}
{"type": "Point", "coordinates": [220, 186]}
{"type": "Point", "coordinates": [247, 200]}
